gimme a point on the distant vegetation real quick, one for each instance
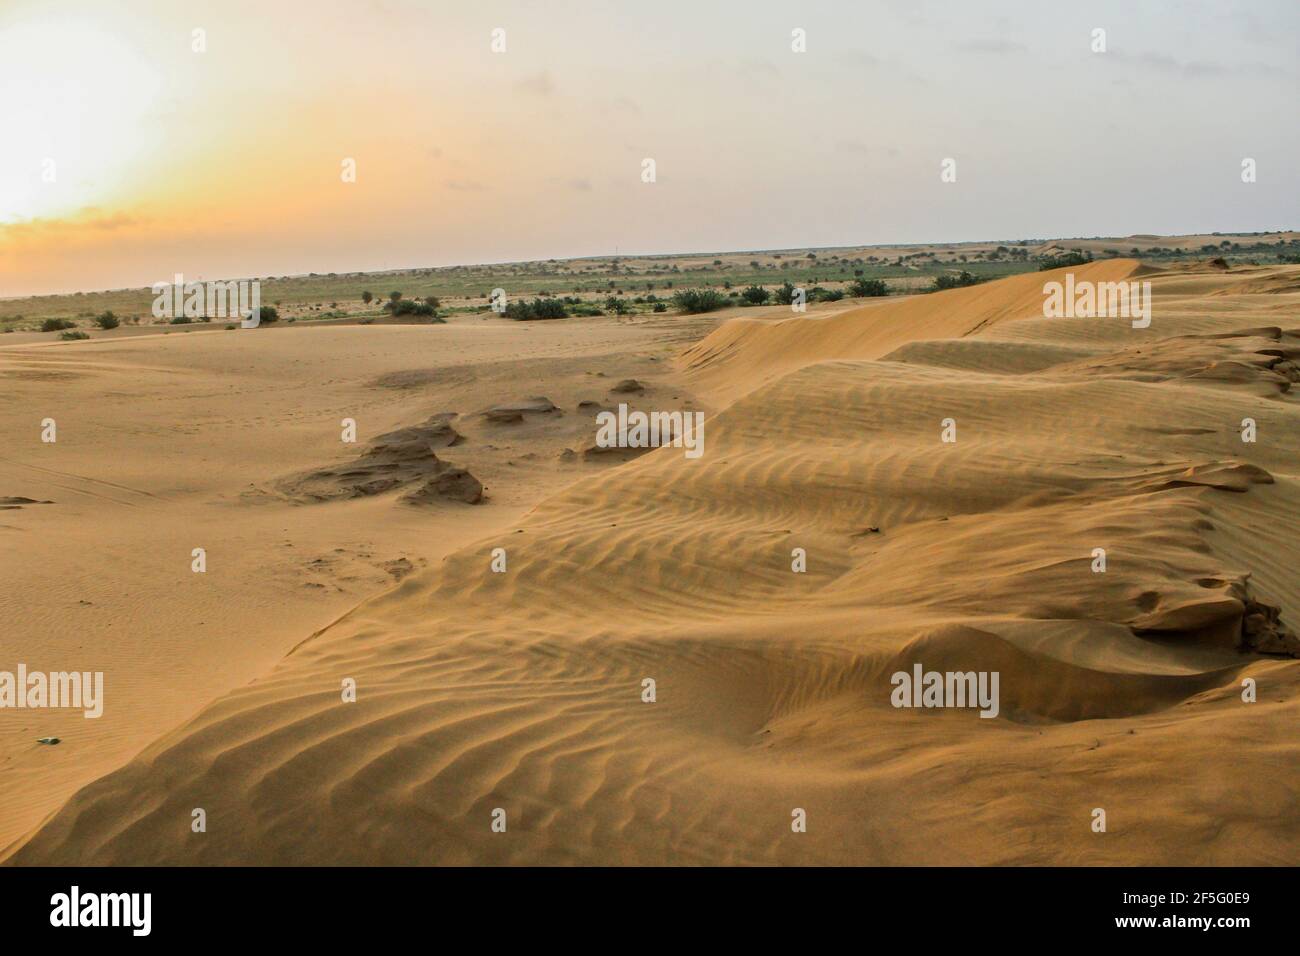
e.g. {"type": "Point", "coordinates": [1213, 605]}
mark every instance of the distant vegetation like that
{"type": "Point", "coordinates": [695, 301]}
{"type": "Point", "coordinates": [950, 281]}
{"type": "Point", "coordinates": [400, 307]}
{"type": "Point", "coordinates": [639, 285]}
{"type": "Point", "coordinates": [785, 293]}
{"type": "Point", "coordinates": [107, 320]}
{"type": "Point", "coordinates": [528, 311]}
{"type": "Point", "coordinates": [1072, 258]}
{"type": "Point", "coordinates": [868, 288]}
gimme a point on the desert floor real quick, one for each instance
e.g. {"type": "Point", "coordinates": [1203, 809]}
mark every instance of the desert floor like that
{"type": "Point", "coordinates": [522, 691]}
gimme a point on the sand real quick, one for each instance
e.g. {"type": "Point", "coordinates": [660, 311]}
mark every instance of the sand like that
{"type": "Point", "coordinates": [520, 695]}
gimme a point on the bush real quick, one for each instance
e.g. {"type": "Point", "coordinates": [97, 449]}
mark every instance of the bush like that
{"type": "Point", "coordinates": [695, 301]}
{"type": "Point", "coordinates": [77, 334]}
{"type": "Point", "coordinates": [950, 281]}
{"type": "Point", "coordinates": [660, 307]}
{"type": "Point", "coordinates": [785, 294]}
{"type": "Point", "coordinates": [367, 297]}
{"type": "Point", "coordinates": [107, 320]}
{"type": "Point", "coordinates": [756, 295]}
{"type": "Point", "coordinates": [181, 320]}
{"type": "Point", "coordinates": [267, 314]}
{"type": "Point", "coordinates": [54, 325]}
{"type": "Point", "coordinates": [409, 307]}
{"type": "Point", "coordinates": [829, 295]}
{"type": "Point", "coordinates": [529, 311]}
{"type": "Point", "coordinates": [868, 288]}
{"type": "Point", "coordinates": [1069, 259]}
{"type": "Point", "coordinates": [617, 306]}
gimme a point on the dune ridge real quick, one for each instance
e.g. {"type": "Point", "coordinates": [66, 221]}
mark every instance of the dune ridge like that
{"type": "Point", "coordinates": [523, 690]}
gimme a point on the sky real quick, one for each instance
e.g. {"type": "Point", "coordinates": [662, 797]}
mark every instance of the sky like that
{"type": "Point", "coordinates": [129, 154]}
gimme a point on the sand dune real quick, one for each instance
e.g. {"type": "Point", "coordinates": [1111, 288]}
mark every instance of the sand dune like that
{"type": "Point", "coordinates": [523, 690]}
{"type": "Point", "coordinates": [200, 439]}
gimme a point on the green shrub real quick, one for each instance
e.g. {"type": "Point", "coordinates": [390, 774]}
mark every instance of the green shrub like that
{"type": "Point", "coordinates": [409, 307]}
{"type": "Point", "coordinates": [54, 325]}
{"type": "Point", "coordinates": [107, 320]}
{"type": "Point", "coordinates": [695, 301]}
{"type": "Point", "coordinates": [529, 311]}
{"type": "Point", "coordinates": [785, 294]}
{"type": "Point", "coordinates": [756, 295]}
{"type": "Point", "coordinates": [267, 314]}
{"type": "Point", "coordinates": [76, 334]}
{"type": "Point", "coordinates": [950, 281]}
{"type": "Point", "coordinates": [660, 307]}
{"type": "Point", "coordinates": [868, 288]}
{"type": "Point", "coordinates": [1068, 259]}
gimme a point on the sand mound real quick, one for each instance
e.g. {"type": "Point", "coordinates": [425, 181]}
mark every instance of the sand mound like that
{"type": "Point", "coordinates": [654, 679]}
{"type": "Point", "coordinates": [1266, 360]}
{"type": "Point", "coordinates": [14, 502]}
{"type": "Point", "coordinates": [515, 412]}
{"type": "Point", "coordinates": [744, 353]}
{"type": "Point", "coordinates": [397, 459]}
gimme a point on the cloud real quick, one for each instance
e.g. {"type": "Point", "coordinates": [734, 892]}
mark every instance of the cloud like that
{"type": "Point", "coordinates": [621, 104]}
{"type": "Point", "coordinates": [118, 220]}
{"type": "Point", "coordinates": [90, 218]}
{"type": "Point", "coordinates": [759, 67]}
{"type": "Point", "coordinates": [857, 147]}
{"type": "Point", "coordinates": [992, 45]}
{"type": "Point", "coordinates": [1191, 69]}
{"type": "Point", "coordinates": [861, 58]}
{"type": "Point", "coordinates": [539, 83]}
